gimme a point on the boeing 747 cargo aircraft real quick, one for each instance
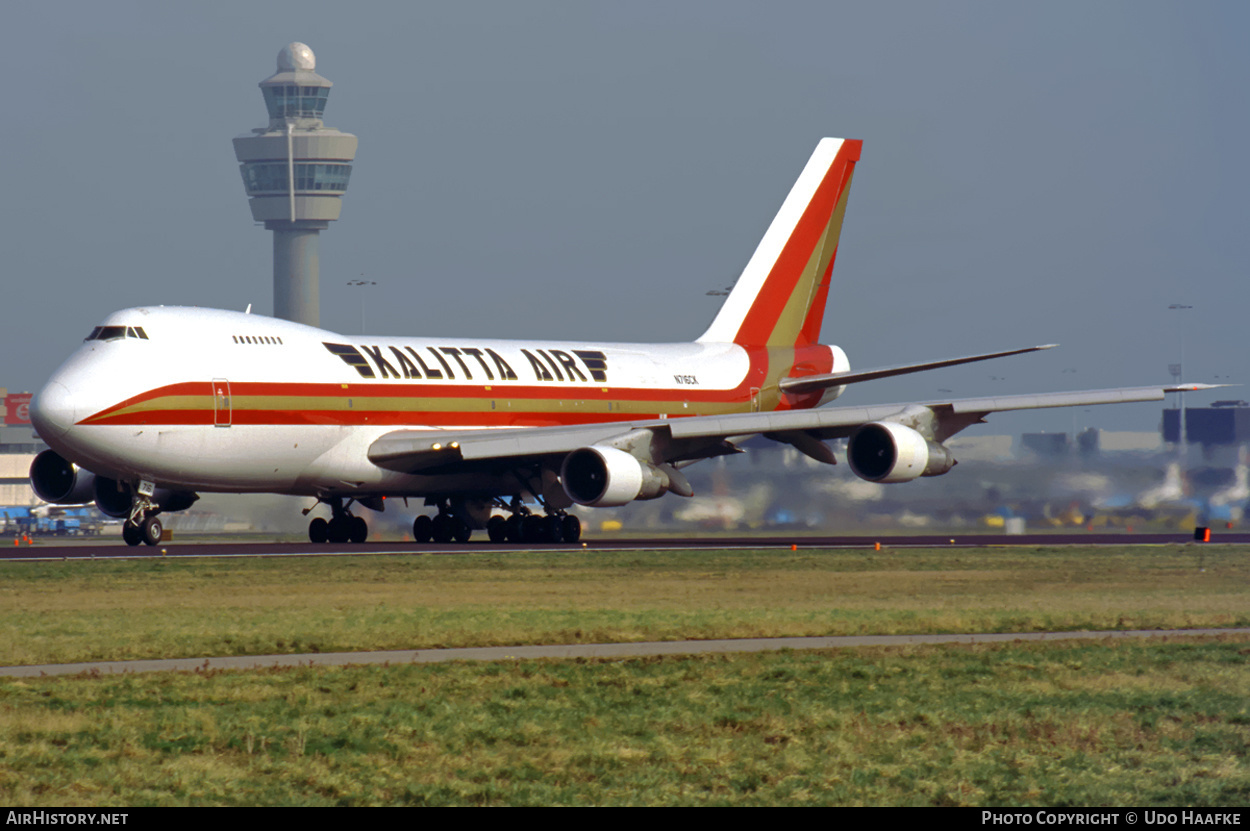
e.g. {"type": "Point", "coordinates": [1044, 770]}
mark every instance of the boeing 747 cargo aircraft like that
{"type": "Point", "coordinates": [161, 403]}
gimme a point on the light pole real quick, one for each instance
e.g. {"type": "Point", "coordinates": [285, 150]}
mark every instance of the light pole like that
{"type": "Point", "coordinates": [1071, 371]}
{"type": "Point", "coordinates": [361, 284]}
{"type": "Point", "coordinates": [1180, 372]}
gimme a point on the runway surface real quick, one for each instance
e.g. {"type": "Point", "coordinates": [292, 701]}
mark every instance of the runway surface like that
{"type": "Point", "coordinates": [601, 650]}
{"type": "Point", "coordinates": [56, 549]}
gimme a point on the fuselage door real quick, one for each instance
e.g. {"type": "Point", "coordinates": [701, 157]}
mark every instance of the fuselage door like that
{"type": "Point", "coordinates": [221, 402]}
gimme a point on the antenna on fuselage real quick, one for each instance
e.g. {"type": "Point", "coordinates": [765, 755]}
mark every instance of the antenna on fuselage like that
{"type": "Point", "coordinates": [248, 310]}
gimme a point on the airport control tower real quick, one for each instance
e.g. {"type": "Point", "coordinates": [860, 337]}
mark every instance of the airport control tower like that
{"type": "Point", "coordinates": [295, 171]}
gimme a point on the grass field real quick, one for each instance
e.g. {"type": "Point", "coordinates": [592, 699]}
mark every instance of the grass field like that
{"type": "Point", "coordinates": [1163, 723]}
{"type": "Point", "coordinates": [186, 607]}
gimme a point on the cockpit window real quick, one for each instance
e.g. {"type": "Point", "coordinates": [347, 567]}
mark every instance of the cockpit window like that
{"type": "Point", "coordinates": [111, 333]}
{"type": "Point", "coordinates": [117, 333]}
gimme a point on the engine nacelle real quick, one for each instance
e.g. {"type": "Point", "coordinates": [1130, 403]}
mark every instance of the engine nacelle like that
{"type": "Point", "coordinates": [114, 498]}
{"type": "Point", "coordinates": [887, 452]}
{"type": "Point", "coordinates": [604, 477]}
{"type": "Point", "coordinates": [59, 481]}
{"type": "Point", "coordinates": [175, 500]}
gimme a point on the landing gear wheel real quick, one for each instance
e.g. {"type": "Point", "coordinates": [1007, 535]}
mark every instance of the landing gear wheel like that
{"type": "Point", "coordinates": [151, 530]}
{"type": "Point", "coordinates": [423, 529]}
{"type": "Point", "coordinates": [358, 529]}
{"type": "Point", "coordinates": [512, 528]}
{"type": "Point", "coordinates": [552, 529]}
{"type": "Point", "coordinates": [318, 531]}
{"type": "Point", "coordinates": [532, 530]}
{"type": "Point", "coordinates": [570, 528]}
{"type": "Point", "coordinates": [497, 529]}
{"type": "Point", "coordinates": [339, 528]}
{"type": "Point", "coordinates": [131, 534]}
{"type": "Point", "coordinates": [443, 528]}
{"type": "Point", "coordinates": [461, 530]}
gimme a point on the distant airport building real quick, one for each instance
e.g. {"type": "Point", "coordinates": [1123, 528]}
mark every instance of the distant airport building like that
{"type": "Point", "coordinates": [295, 171]}
{"type": "Point", "coordinates": [18, 445]}
{"type": "Point", "coordinates": [1223, 423]}
{"type": "Point", "coordinates": [1046, 445]}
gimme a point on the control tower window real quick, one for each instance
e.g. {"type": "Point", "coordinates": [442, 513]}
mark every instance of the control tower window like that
{"type": "Point", "coordinates": [292, 101]}
{"type": "Point", "coordinates": [271, 177]}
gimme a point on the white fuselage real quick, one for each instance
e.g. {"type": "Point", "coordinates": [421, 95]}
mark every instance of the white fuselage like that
{"type": "Point", "coordinates": [211, 400]}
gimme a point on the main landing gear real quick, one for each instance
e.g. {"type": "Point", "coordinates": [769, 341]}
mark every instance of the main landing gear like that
{"type": "Point", "coordinates": [554, 527]}
{"type": "Point", "coordinates": [342, 526]}
{"type": "Point", "coordinates": [521, 527]}
{"type": "Point", "coordinates": [454, 521]}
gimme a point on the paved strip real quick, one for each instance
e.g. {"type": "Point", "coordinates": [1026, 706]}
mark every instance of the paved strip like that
{"type": "Point", "coordinates": [46, 549]}
{"type": "Point", "coordinates": [597, 650]}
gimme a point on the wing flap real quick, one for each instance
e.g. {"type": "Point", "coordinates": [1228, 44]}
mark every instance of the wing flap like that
{"type": "Point", "coordinates": [412, 451]}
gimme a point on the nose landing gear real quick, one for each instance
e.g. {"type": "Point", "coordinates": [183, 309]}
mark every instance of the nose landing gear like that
{"type": "Point", "coordinates": [148, 531]}
{"type": "Point", "coordinates": [142, 526]}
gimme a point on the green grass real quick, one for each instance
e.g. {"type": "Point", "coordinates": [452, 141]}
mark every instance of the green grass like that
{"type": "Point", "coordinates": [186, 607]}
{"type": "Point", "coordinates": [1123, 723]}
{"type": "Point", "coordinates": [1164, 722]}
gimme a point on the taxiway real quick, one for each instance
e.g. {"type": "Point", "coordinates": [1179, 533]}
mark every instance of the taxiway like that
{"type": "Point", "coordinates": [45, 549]}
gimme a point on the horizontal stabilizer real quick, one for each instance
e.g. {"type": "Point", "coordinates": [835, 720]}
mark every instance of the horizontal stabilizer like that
{"type": "Point", "coordinates": [815, 383]}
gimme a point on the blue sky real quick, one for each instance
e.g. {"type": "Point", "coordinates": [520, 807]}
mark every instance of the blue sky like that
{"type": "Point", "coordinates": [1032, 173]}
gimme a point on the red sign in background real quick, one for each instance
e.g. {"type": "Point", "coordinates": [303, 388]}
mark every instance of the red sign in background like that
{"type": "Point", "coordinates": [17, 408]}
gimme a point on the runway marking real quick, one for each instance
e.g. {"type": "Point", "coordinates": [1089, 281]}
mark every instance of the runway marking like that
{"type": "Point", "coordinates": [560, 651]}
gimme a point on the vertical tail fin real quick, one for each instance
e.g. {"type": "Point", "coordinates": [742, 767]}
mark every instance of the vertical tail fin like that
{"type": "Point", "coordinates": [779, 300]}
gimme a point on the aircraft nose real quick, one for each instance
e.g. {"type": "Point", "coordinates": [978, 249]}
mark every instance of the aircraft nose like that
{"type": "Point", "coordinates": [52, 410]}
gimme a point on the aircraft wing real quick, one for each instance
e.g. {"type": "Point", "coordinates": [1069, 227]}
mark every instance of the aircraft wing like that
{"type": "Point", "coordinates": [697, 437]}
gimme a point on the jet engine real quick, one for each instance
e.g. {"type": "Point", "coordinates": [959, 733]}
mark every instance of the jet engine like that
{"type": "Point", "coordinates": [883, 451]}
{"type": "Point", "coordinates": [114, 498]}
{"type": "Point", "coordinates": [604, 477]}
{"type": "Point", "coordinates": [59, 481]}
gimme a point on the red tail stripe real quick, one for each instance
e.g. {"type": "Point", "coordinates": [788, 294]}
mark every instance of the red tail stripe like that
{"type": "Point", "coordinates": [795, 255]}
{"type": "Point", "coordinates": [810, 332]}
